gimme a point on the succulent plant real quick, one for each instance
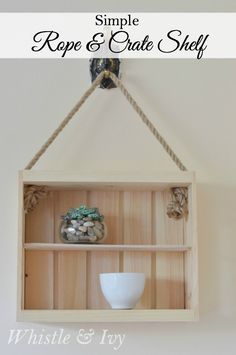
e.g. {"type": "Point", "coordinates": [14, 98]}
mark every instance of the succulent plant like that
{"type": "Point", "coordinates": [82, 212]}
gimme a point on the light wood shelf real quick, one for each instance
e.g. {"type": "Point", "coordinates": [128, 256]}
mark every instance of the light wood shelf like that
{"type": "Point", "coordinates": [105, 315]}
{"type": "Point", "coordinates": [59, 282]}
{"type": "Point", "coordinates": [106, 247]}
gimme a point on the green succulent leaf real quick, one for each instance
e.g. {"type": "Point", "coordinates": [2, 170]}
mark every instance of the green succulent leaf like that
{"type": "Point", "coordinates": [83, 211]}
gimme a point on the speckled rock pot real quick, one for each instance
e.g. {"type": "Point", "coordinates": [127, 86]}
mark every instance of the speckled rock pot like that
{"type": "Point", "coordinates": [83, 231]}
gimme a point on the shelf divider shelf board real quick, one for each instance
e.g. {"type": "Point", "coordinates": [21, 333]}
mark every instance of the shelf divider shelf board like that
{"type": "Point", "coordinates": [60, 281]}
{"type": "Point", "coordinates": [107, 315]}
{"type": "Point", "coordinates": [106, 247]}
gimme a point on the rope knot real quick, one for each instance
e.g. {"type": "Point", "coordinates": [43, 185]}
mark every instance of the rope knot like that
{"type": "Point", "coordinates": [106, 74]}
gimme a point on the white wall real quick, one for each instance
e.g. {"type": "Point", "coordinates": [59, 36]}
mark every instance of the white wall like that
{"type": "Point", "coordinates": [193, 104]}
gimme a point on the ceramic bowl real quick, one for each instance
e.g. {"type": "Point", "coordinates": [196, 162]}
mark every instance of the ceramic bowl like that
{"type": "Point", "coordinates": [122, 290]}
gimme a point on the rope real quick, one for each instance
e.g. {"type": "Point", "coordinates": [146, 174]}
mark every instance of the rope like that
{"type": "Point", "coordinates": [66, 120]}
{"type": "Point", "coordinates": [147, 122]}
{"type": "Point", "coordinates": [132, 102]}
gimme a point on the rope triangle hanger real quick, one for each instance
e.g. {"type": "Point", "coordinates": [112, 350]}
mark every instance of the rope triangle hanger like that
{"type": "Point", "coordinates": [133, 103]}
{"type": "Point", "coordinates": [176, 209]}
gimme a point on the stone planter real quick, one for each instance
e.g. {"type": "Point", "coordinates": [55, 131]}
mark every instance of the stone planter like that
{"type": "Point", "coordinates": [82, 231]}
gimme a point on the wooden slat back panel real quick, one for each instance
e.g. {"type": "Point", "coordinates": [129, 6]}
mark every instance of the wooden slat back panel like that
{"type": "Point", "coordinates": [70, 283]}
{"type": "Point", "coordinates": [137, 217]}
{"type": "Point", "coordinates": [39, 280]}
{"type": "Point", "coordinates": [170, 281]}
{"type": "Point", "coordinates": [141, 262]}
{"type": "Point", "coordinates": [108, 203]}
{"type": "Point", "coordinates": [69, 267]}
{"type": "Point", "coordinates": [170, 278]}
{"type": "Point", "coordinates": [39, 224]}
{"type": "Point", "coordinates": [39, 227]}
{"type": "Point", "coordinates": [132, 217]}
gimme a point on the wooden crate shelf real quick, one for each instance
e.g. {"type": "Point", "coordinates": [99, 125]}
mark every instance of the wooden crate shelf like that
{"type": "Point", "coordinates": [60, 282]}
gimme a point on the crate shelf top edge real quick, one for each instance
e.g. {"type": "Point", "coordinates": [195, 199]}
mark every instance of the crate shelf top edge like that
{"type": "Point", "coordinates": [62, 177]}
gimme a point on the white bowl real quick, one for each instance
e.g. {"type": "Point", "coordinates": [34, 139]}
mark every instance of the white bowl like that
{"type": "Point", "coordinates": [122, 290]}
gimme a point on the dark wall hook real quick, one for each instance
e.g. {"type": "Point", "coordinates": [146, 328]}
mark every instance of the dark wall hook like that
{"type": "Point", "coordinates": [97, 65]}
